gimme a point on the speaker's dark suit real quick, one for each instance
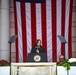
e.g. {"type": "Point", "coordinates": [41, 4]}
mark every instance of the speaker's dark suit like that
{"type": "Point", "coordinates": [37, 50]}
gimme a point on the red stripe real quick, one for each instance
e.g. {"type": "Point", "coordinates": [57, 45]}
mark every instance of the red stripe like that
{"type": "Point", "coordinates": [23, 21]}
{"type": "Point", "coordinates": [16, 31]}
{"type": "Point", "coordinates": [33, 23]}
{"type": "Point", "coordinates": [43, 20]}
{"type": "Point", "coordinates": [70, 31]}
{"type": "Point", "coordinates": [63, 26]}
{"type": "Point", "coordinates": [54, 41]}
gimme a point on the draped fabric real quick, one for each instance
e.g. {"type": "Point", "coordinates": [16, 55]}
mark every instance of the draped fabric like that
{"type": "Point", "coordinates": [44, 21]}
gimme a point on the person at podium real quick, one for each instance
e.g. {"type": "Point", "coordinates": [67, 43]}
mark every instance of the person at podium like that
{"type": "Point", "coordinates": [37, 47]}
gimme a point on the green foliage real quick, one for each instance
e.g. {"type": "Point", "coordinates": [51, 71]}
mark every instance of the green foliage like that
{"type": "Point", "coordinates": [4, 63]}
{"type": "Point", "coordinates": [73, 64]}
{"type": "Point", "coordinates": [65, 64]}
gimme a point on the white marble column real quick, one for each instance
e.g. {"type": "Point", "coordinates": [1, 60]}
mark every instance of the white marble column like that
{"type": "Point", "coordinates": [0, 23]}
{"type": "Point", "coordinates": [4, 30]}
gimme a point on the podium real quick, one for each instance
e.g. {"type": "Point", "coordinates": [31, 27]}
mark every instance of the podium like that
{"type": "Point", "coordinates": [37, 57]}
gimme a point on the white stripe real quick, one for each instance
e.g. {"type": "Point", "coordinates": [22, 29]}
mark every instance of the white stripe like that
{"type": "Point", "coordinates": [20, 48]}
{"type": "Point", "coordinates": [66, 26]}
{"type": "Point", "coordinates": [38, 21]}
{"type": "Point", "coordinates": [58, 7]}
{"type": "Point", "coordinates": [49, 29]}
{"type": "Point", "coordinates": [28, 26]}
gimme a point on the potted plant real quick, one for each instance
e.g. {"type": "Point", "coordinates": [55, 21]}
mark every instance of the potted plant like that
{"type": "Point", "coordinates": [4, 67]}
{"type": "Point", "coordinates": [67, 67]}
{"type": "Point", "coordinates": [72, 61]}
{"type": "Point", "coordinates": [65, 64]}
{"type": "Point", "coordinates": [4, 63]}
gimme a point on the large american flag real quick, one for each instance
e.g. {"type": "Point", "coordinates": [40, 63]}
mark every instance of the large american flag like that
{"type": "Point", "coordinates": [43, 21]}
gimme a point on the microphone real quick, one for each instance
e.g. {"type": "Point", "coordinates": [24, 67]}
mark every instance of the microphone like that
{"type": "Point", "coordinates": [37, 50]}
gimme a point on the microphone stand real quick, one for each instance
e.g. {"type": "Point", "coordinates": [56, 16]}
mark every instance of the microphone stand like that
{"type": "Point", "coordinates": [12, 39]}
{"type": "Point", "coordinates": [63, 40]}
{"type": "Point", "coordinates": [10, 58]}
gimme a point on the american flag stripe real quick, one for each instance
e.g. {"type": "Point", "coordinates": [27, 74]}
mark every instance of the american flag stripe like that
{"type": "Point", "coordinates": [24, 36]}
{"type": "Point", "coordinates": [49, 30]}
{"type": "Point", "coordinates": [16, 32]}
{"type": "Point", "coordinates": [33, 23]}
{"type": "Point", "coordinates": [43, 21]}
{"type": "Point", "coordinates": [20, 48]}
{"type": "Point", "coordinates": [70, 31]}
{"type": "Point", "coordinates": [54, 41]}
{"type": "Point", "coordinates": [66, 26]}
{"type": "Point", "coordinates": [28, 26]}
{"type": "Point", "coordinates": [43, 17]}
{"type": "Point", "coordinates": [63, 9]}
{"type": "Point", "coordinates": [58, 9]}
{"type": "Point", "coordinates": [38, 21]}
